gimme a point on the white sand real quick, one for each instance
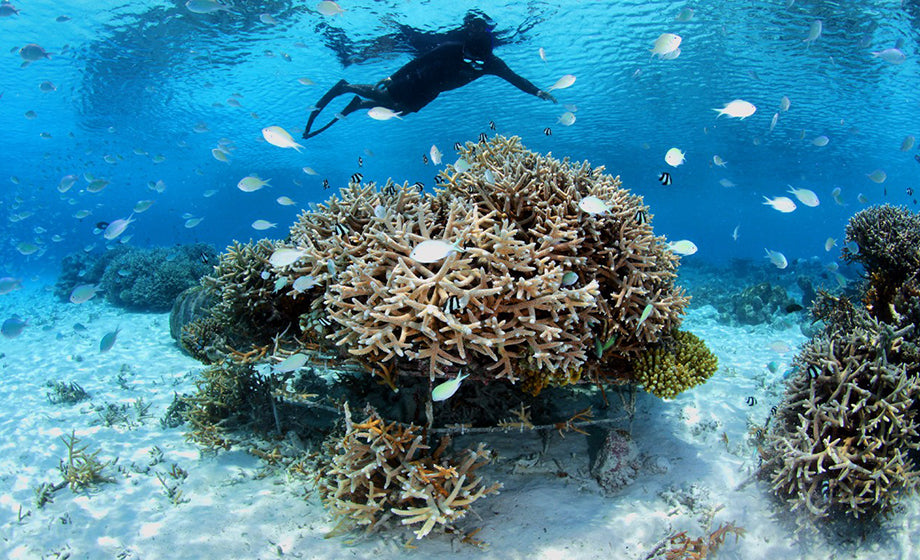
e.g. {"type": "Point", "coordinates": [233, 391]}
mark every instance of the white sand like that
{"type": "Point", "coordinates": [234, 512]}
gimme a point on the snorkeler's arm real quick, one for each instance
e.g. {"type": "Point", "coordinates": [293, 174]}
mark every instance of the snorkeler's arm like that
{"type": "Point", "coordinates": [497, 67]}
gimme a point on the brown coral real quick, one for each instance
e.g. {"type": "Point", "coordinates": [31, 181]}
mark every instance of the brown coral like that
{"type": "Point", "coordinates": [379, 469]}
{"type": "Point", "coordinates": [499, 305]}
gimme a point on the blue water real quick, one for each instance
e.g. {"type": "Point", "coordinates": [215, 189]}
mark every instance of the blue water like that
{"type": "Point", "coordinates": [143, 75]}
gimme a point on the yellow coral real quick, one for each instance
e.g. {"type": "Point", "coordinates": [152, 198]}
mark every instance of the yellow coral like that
{"type": "Point", "coordinates": [668, 370]}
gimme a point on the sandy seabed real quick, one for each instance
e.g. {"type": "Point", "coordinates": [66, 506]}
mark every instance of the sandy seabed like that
{"type": "Point", "coordinates": [696, 453]}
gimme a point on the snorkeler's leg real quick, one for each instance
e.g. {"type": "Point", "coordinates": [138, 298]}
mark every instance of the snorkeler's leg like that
{"type": "Point", "coordinates": [353, 105]}
{"type": "Point", "coordinates": [335, 91]}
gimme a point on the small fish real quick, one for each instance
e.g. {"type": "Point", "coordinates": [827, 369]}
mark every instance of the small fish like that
{"type": "Point", "coordinates": [13, 327]}
{"type": "Point", "coordinates": [907, 143]}
{"type": "Point", "coordinates": [285, 257]}
{"type": "Point", "coordinates": [483, 138]}
{"type": "Point", "coordinates": [645, 314]}
{"type": "Point", "coordinates": [805, 196]}
{"type": "Point", "coordinates": [737, 108]}
{"type": "Point", "coordinates": [640, 217]}
{"type": "Point", "coordinates": [492, 125]}
{"type": "Point", "coordinates": [9, 284]}
{"type": "Point", "coordinates": [204, 258]}
{"type": "Point", "coordinates": [206, 6]}
{"type": "Point", "coordinates": [33, 52]}
{"type": "Point", "coordinates": [821, 141]}
{"type": "Point", "coordinates": [566, 119]}
{"type": "Point", "coordinates": [329, 8]}
{"type": "Point", "coordinates": [735, 232]}
{"type": "Point", "coordinates": [291, 363]}
{"type": "Point", "coordinates": [220, 155]}
{"type": "Point", "coordinates": [457, 146]}
{"type": "Point", "coordinates": [357, 178]}
{"type": "Point", "coordinates": [773, 366]}
{"type": "Point", "coordinates": [836, 195]}
{"type": "Point", "coordinates": [267, 19]}
{"type": "Point", "coordinates": [548, 131]}
{"type": "Point", "coordinates": [447, 389]}
{"type": "Point", "coordinates": [777, 259]}
{"type": "Point", "coordinates": [593, 205]}
{"type": "Point", "coordinates": [340, 229]}
{"type": "Point", "coordinates": [862, 199]}
{"type": "Point", "coordinates": [252, 183]}
{"type": "Point", "coordinates": [383, 113]}
{"type": "Point", "coordinates": [419, 186]}
{"type": "Point", "coordinates": [665, 43]}
{"type": "Point", "coordinates": [262, 225]}
{"type": "Point", "coordinates": [751, 401]}
{"type": "Point", "coordinates": [569, 278]}
{"type": "Point", "coordinates": [116, 228]}
{"type": "Point", "coordinates": [717, 159]}
{"type": "Point", "coordinates": [877, 176]}
{"type": "Point", "coordinates": [192, 222]}
{"type": "Point", "coordinates": [891, 56]}
{"type": "Point", "coordinates": [308, 170]}
{"type": "Point", "coordinates": [325, 184]}
{"type": "Point", "coordinates": [813, 371]}
{"type": "Point", "coordinates": [674, 157]}
{"type": "Point", "coordinates": [781, 203]}
{"type": "Point", "coordinates": [910, 191]}
{"type": "Point", "coordinates": [814, 31]}
{"type": "Point", "coordinates": [542, 54]}
{"type": "Point", "coordinates": [830, 243]}
{"type": "Point", "coordinates": [436, 154]}
{"type": "Point", "coordinates": [285, 201]}
{"type": "Point", "coordinates": [685, 15]}
{"type": "Point", "coordinates": [664, 178]}
{"type": "Point", "coordinates": [562, 83]}
{"type": "Point", "coordinates": [102, 225]}
{"type": "Point", "coordinates": [683, 247]}
{"type": "Point", "coordinates": [360, 162]}
{"type": "Point", "coordinates": [277, 136]}
{"type": "Point", "coordinates": [142, 206]}
{"type": "Point", "coordinates": [425, 159]}
{"type": "Point", "coordinates": [452, 304]}
{"type": "Point", "coordinates": [108, 340]}
{"type": "Point", "coordinates": [784, 104]}
{"type": "Point", "coordinates": [793, 307]}
{"type": "Point", "coordinates": [432, 250]}
{"type": "Point", "coordinates": [773, 121]}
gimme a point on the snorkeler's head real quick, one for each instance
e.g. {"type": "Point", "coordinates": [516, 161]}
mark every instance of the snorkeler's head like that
{"type": "Point", "coordinates": [476, 21]}
{"type": "Point", "coordinates": [478, 42]}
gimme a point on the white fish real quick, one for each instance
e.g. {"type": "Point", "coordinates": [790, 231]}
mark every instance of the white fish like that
{"type": "Point", "coordinates": [285, 257]}
{"type": "Point", "coordinates": [267, 19]}
{"type": "Point", "coordinates": [777, 259]}
{"type": "Point", "coordinates": [841, 280]}
{"type": "Point", "coordinates": [189, 224]}
{"type": "Point", "coordinates": [737, 108]}
{"type": "Point", "coordinates": [645, 313]}
{"type": "Point", "coordinates": [891, 56]}
{"type": "Point", "coordinates": [563, 82]}
{"type": "Point", "coordinates": [117, 227]}
{"type": "Point", "coordinates": [305, 81]}
{"type": "Point", "coordinates": [727, 183]}
{"type": "Point", "coordinates": [665, 43]}
{"type": "Point", "coordinates": [220, 155]}
{"type": "Point", "coordinates": [567, 118]}
{"type": "Point", "coordinates": [735, 234]}
{"type": "Point", "coordinates": [142, 206]}
{"type": "Point", "coordinates": [84, 293]}
{"type": "Point", "coordinates": [784, 104]}
{"type": "Point", "coordinates": [782, 203]}
{"type": "Point", "coordinates": [593, 205]}
{"type": "Point", "coordinates": [836, 194]}
{"type": "Point", "coordinates": [569, 278]}
{"type": "Point", "coordinates": [821, 141]}
{"type": "Point", "coordinates": [862, 199]}
{"type": "Point", "coordinates": [683, 247]}
{"type": "Point", "coordinates": [291, 363]}
{"type": "Point", "coordinates": [674, 157]}
{"type": "Point", "coordinates": [206, 6]}
{"type": "Point", "coordinates": [329, 8]}
{"type": "Point", "coordinates": [447, 389]}
{"type": "Point", "coordinates": [814, 31]}
{"type": "Point", "coordinates": [263, 225]}
{"type": "Point", "coordinates": [432, 250]}
{"type": "Point", "coordinates": [830, 243]}
{"type": "Point", "coordinates": [277, 136]}
{"type": "Point", "coordinates": [435, 154]}
{"type": "Point", "coordinates": [382, 114]}
{"type": "Point", "coordinates": [542, 54]}
{"type": "Point", "coordinates": [108, 340]}
{"type": "Point", "coordinates": [685, 15]}
{"type": "Point", "coordinates": [308, 171]}
{"type": "Point", "coordinates": [907, 143]}
{"type": "Point", "coordinates": [285, 201]}
{"type": "Point", "coordinates": [303, 283]}
{"type": "Point", "coordinates": [717, 159]}
{"type": "Point", "coordinates": [773, 121]}
{"type": "Point", "coordinates": [877, 176]}
{"type": "Point", "coordinates": [68, 181]}
{"type": "Point", "coordinates": [251, 183]}
{"type": "Point", "coordinates": [805, 196]}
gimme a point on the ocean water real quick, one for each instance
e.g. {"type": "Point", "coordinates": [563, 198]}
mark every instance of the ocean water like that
{"type": "Point", "coordinates": [139, 93]}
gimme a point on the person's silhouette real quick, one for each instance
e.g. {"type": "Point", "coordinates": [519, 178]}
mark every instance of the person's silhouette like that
{"type": "Point", "coordinates": [449, 65]}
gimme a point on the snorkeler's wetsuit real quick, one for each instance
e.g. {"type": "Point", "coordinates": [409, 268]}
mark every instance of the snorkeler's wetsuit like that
{"type": "Point", "coordinates": [444, 68]}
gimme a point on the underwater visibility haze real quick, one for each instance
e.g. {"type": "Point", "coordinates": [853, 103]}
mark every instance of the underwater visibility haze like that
{"type": "Point", "coordinates": [763, 137]}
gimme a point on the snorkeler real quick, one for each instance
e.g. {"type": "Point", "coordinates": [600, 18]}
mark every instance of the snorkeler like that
{"type": "Point", "coordinates": [448, 66]}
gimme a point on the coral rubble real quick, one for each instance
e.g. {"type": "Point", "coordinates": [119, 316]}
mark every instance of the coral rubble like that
{"type": "Point", "coordinates": [377, 470]}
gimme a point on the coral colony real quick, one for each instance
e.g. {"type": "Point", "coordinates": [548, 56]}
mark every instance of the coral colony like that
{"type": "Point", "coordinates": [845, 437]}
{"type": "Point", "coordinates": [504, 279]}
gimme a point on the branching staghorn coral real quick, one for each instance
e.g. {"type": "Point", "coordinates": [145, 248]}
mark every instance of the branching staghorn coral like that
{"type": "Point", "coordinates": [377, 470]}
{"type": "Point", "coordinates": [843, 437]}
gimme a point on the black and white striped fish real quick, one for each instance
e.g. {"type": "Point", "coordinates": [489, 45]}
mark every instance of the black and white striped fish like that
{"type": "Point", "coordinates": [548, 131]}
{"type": "Point", "coordinates": [356, 178]}
{"type": "Point", "coordinates": [664, 178]}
